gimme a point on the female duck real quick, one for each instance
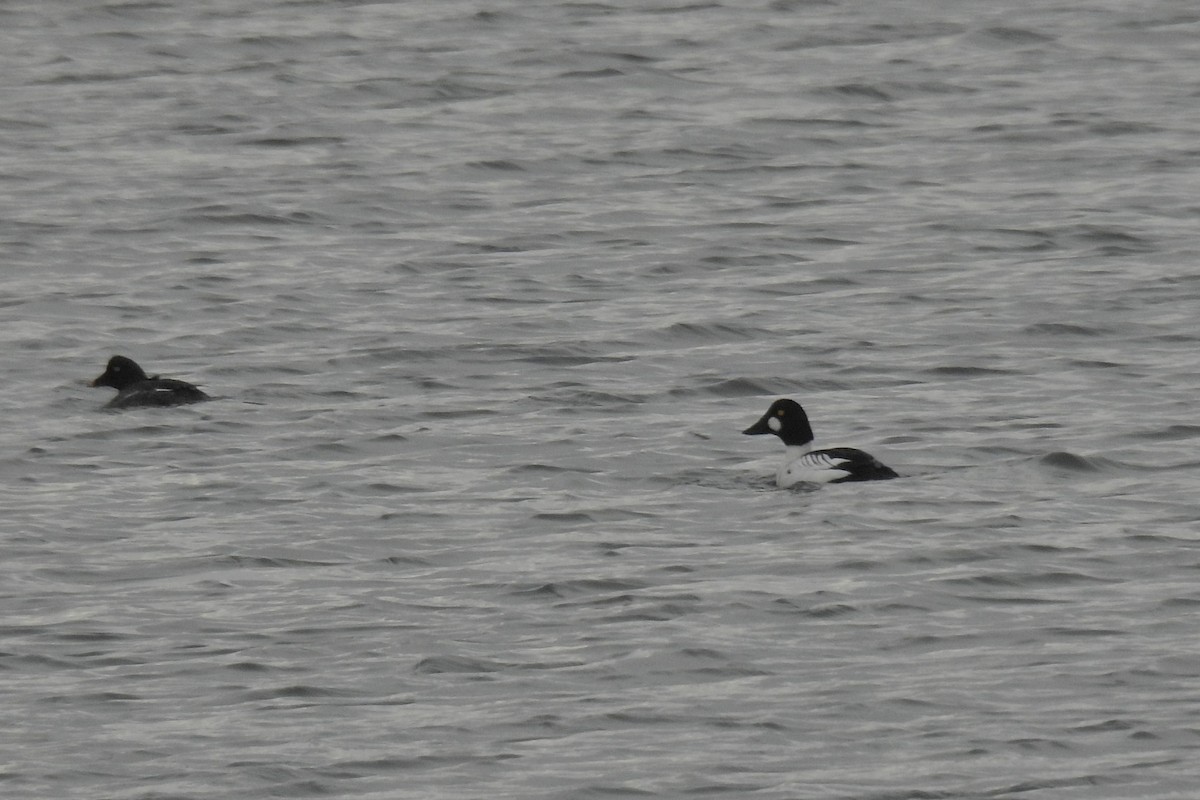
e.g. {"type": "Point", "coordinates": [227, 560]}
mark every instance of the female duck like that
{"type": "Point", "coordinates": [135, 389]}
{"type": "Point", "coordinates": [787, 420]}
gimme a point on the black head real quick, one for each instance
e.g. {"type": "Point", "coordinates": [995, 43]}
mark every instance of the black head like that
{"type": "Point", "coordinates": [787, 420]}
{"type": "Point", "coordinates": [121, 372]}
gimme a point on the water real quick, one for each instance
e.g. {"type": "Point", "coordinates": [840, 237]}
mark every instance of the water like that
{"type": "Point", "coordinates": [487, 292]}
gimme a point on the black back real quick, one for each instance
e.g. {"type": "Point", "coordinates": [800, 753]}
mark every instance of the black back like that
{"type": "Point", "coordinates": [861, 465]}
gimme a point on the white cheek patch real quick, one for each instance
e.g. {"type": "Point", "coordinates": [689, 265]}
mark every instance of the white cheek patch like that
{"type": "Point", "coordinates": [774, 424]}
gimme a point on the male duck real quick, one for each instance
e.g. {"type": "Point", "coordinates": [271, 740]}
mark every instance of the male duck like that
{"type": "Point", "coordinates": [787, 420]}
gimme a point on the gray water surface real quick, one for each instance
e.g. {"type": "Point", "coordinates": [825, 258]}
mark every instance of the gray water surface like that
{"type": "Point", "coordinates": [487, 292]}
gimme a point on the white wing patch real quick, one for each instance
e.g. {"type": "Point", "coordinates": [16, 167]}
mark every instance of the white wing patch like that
{"type": "Point", "coordinates": [821, 460]}
{"type": "Point", "coordinates": [812, 468]}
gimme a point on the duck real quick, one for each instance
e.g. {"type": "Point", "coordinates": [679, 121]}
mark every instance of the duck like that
{"type": "Point", "coordinates": [802, 464]}
{"type": "Point", "coordinates": [135, 389]}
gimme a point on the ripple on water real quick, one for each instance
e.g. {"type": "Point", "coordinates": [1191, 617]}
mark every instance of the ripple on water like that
{"type": "Point", "coordinates": [504, 294]}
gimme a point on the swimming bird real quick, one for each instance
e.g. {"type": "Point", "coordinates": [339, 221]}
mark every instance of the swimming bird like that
{"type": "Point", "coordinates": [787, 420]}
{"type": "Point", "coordinates": [136, 389]}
